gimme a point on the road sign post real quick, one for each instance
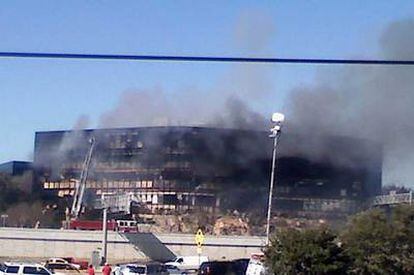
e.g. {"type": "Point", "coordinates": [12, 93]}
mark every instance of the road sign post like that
{"type": "Point", "coordinates": [199, 240]}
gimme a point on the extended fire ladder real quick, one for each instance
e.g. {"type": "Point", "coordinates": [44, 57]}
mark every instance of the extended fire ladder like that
{"type": "Point", "coordinates": [81, 183]}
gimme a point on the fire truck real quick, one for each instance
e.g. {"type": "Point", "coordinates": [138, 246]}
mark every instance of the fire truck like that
{"type": "Point", "coordinates": [126, 226]}
{"type": "Point", "coordinates": [72, 217]}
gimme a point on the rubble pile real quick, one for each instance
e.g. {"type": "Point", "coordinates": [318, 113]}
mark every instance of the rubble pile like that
{"type": "Point", "coordinates": [230, 225]}
{"type": "Point", "coordinates": [184, 223]}
{"type": "Point", "coordinates": [297, 223]}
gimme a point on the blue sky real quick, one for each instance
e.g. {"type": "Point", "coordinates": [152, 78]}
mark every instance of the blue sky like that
{"type": "Point", "coordinates": [52, 94]}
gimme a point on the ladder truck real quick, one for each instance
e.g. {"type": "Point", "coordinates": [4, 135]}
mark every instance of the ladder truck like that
{"type": "Point", "coordinates": [73, 215]}
{"type": "Point", "coordinates": [119, 203]}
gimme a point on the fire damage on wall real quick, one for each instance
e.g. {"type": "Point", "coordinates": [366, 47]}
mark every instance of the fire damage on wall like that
{"type": "Point", "coordinates": [211, 177]}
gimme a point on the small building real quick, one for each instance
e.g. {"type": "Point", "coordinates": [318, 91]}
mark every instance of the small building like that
{"type": "Point", "coordinates": [15, 168]}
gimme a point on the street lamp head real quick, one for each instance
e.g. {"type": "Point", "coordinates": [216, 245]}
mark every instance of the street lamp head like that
{"type": "Point", "coordinates": [278, 117]}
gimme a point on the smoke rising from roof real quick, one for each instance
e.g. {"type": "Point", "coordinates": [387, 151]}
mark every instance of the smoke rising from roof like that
{"type": "Point", "coordinates": [370, 102]}
{"type": "Point", "coordinates": [225, 105]}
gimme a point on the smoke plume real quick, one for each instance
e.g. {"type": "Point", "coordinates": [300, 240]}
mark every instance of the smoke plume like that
{"type": "Point", "coordinates": [369, 102]}
{"type": "Point", "coordinates": [227, 104]}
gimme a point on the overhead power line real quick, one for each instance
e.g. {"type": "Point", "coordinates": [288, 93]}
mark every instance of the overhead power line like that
{"type": "Point", "coordinates": [177, 58]}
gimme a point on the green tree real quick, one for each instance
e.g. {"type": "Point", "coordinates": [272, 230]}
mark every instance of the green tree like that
{"type": "Point", "coordinates": [9, 193]}
{"type": "Point", "coordinates": [22, 206]}
{"type": "Point", "coordinates": [378, 243]}
{"type": "Point", "coordinates": [311, 251]}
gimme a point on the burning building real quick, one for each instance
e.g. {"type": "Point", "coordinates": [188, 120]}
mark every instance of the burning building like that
{"type": "Point", "coordinates": [184, 168]}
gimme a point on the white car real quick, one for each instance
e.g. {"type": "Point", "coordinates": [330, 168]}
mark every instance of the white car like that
{"type": "Point", "coordinates": [173, 270]}
{"type": "Point", "coordinates": [256, 265]}
{"type": "Point", "coordinates": [23, 269]}
{"type": "Point", "coordinates": [143, 269]}
{"type": "Point", "coordinates": [187, 262]}
{"type": "Point", "coordinates": [61, 261]}
{"type": "Point", "coordinates": [132, 269]}
{"type": "Point", "coordinates": [62, 269]}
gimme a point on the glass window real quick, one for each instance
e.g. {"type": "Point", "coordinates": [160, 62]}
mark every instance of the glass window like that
{"type": "Point", "coordinates": [137, 269]}
{"type": "Point", "coordinates": [35, 270]}
{"type": "Point", "coordinates": [152, 269]}
{"type": "Point", "coordinates": [60, 266]}
{"type": "Point", "coordinates": [55, 266]}
{"type": "Point", "coordinates": [12, 269]}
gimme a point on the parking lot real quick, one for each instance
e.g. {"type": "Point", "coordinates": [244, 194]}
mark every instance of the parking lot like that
{"type": "Point", "coordinates": [62, 266]}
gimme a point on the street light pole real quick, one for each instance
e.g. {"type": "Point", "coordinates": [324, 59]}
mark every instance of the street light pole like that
{"type": "Point", "coordinates": [277, 119]}
{"type": "Point", "coordinates": [104, 251]}
{"type": "Point", "coordinates": [105, 236]}
{"type": "Point", "coordinates": [4, 218]}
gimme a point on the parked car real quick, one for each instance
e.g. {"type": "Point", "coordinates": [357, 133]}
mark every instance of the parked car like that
{"type": "Point", "coordinates": [61, 261]}
{"type": "Point", "coordinates": [218, 268]}
{"type": "Point", "coordinates": [3, 269]}
{"type": "Point", "coordinates": [143, 269]}
{"type": "Point", "coordinates": [256, 265]}
{"type": "Point", "coordinates": [241, 265]}
{"type": "Point", "coordinates": [62, 268]}
{"type": "Point", "coordinates": [81, 263]}
{"type": "Point", "coordinates": [173, 270]}
{"type": "Point", "coordinates": [187, 262]}
{"type": "Point", "coordinates": [24, 269]}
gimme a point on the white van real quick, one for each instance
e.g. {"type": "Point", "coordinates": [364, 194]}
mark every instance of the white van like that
{"type": "Point", "coordinates": [187, 262]}
{"type": "Point", "coordinates": [256, 265]}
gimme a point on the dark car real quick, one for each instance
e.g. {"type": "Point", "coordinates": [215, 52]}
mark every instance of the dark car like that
{"type": "Point", "coordinates": [218, 268]}
{"type": "Point", "coordinates": [241, 265]}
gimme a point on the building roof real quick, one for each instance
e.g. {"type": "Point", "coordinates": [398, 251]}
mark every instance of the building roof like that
{"type": "Point", "coordinates": [15, 167]}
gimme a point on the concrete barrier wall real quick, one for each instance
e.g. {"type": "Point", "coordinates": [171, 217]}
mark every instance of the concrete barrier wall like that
{"type": "Point", "coordinates": [45, 243]}
{"type": "Point", "coordinates": [215, 247]}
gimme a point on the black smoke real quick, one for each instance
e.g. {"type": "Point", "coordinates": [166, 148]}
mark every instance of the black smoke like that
{"type": "Point", "coordinates": [370, 102]}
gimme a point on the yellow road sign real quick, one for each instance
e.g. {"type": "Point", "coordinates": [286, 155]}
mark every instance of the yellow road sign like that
{"type": "Point", "coordinates": [199, 238]}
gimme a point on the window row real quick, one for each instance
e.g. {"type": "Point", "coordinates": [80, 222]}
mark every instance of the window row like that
{"type": "Point", "coordinates": [100, 185]}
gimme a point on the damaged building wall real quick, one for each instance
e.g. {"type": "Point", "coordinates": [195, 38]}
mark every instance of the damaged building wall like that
{"type": "Point", "coordinates": [182, 168]}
